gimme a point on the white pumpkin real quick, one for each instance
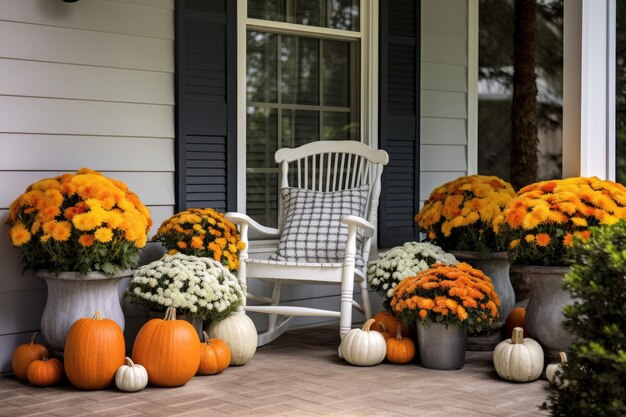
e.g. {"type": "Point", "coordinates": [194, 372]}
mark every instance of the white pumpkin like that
{"type": "Point", "coordinates": [239, 333]}
{"type": "Point", "coordinates": [553, 368]}
{"type": "Point", "coordinates": [363, 347]}
{"type": "Point", "coordinates": [131, 377]}
{"type": "Point", "coordinates": [518, 359]}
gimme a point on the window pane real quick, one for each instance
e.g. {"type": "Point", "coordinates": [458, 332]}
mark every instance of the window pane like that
{"type": "Point", "coordinates": [336, 73]}
{"type": "Point", "coordinates": [261, 67]}
{"type": "Point", "coordinates": [267, 10]}
{"type": "Point", "coordinates": [337, 126]}
{"type": "Point", "coordinates": [261, 137]}
{"type": "Point", "coordinates": [344, 14]}
{"type": "Point", "coordinates": [336, 14]}
{"type": "Point", "coordinates": [299, 127]}
{"type": "Point", "coordinates": [299, 70]}
{"type": "Point", "coordinates": [262, 197]}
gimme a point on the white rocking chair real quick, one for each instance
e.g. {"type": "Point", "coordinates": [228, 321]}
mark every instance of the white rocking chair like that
{"type": "Point", "coordinates": [325, 166]}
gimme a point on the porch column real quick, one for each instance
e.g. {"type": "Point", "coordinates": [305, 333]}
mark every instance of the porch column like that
{"type": "Point", "coordinates": [589, 88]}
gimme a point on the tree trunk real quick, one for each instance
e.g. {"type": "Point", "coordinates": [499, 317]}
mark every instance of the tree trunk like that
{"type": "Point", "coordinates": [524, 109]}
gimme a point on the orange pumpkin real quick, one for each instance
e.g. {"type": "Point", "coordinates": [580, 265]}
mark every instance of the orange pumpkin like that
{"type": "Point", "coordinates": [45, 372]}
{"type": "Point", "coordinates": [400, 350]}
{"type": "Point", "coordinates": [94, 350]}
{"type": "Point", "coordinates": [169, 349]}
{"type": "Point", "coordinates": [516, 318]}
{"type": "Point", "coordinates": [390, 322]}
{"type": "Point", "coordinates": [24, 354]}
{"type": "Point", "coordinates": [383, 331]}
{"type": "Point", "coordinates": [214, 356]}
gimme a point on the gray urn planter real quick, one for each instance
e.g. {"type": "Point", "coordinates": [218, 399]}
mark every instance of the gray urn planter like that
{"type": "Point", "coordinates": [72, 296]}
{"type": "Point", "coordinates": [496, 266]}
{"type": "Point", "coordinates": [544, 314]}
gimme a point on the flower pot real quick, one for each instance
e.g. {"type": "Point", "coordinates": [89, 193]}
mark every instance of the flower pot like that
{"type": "Point", "coordinates": [544, 314]}
{"type": "Point", "coordinates": [441, 347]}
{"type": "Point", "coordinates": [496, 266]}
{"type": "Point", "coordinates": [72, 296]}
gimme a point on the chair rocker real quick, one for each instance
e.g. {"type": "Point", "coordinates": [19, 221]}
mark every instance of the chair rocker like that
{"type": "Point", "coordinates": [325, 168]}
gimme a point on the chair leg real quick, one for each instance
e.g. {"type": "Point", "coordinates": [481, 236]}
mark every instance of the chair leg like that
{"type": "Point", "coordinates": [275, 301]}
{"type": "Point", "coordinates": [365, 300]}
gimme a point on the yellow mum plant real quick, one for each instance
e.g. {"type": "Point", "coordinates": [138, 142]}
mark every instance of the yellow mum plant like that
{"type": "Point", "coordinates": [79, 222]}
{"type": "Point", "coordinates": [542, 221]}
{"type": "Point", "coordinates": [456, 295]}
{"type": "Point", "coordinates": [202, 233]}
{"type": "Point", "coordinates": [459, 214]}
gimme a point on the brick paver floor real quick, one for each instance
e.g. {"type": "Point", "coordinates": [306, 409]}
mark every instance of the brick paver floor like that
{"type": "Point", "coordinates": [298, 375]}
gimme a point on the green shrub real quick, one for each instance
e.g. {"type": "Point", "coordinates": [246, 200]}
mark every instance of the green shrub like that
{"type": "Point", "coordinates": [596, 370]}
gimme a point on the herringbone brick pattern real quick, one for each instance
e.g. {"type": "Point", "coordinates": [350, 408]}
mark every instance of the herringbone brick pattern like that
{"type": "Point", "coordinates": [298, 375]}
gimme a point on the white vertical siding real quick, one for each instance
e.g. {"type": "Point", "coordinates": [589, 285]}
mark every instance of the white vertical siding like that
{"type": "Point", "coordinates": [444, 93]}
{"type": "Point", "coordinates": [86, 84]}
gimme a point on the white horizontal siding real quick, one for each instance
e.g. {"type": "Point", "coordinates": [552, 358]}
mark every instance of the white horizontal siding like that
{"type": "Point", "coordinates": [76, 46]}
{"type": "Point", "coordinates": [444, 77]}
{"type": "Point", "coordinates": [52, 152]}
{"type": "Point", "coordinates": [444, 93]}
{"type": "Point", "coordinates": [443, 158]}
{"type": "Point", "coordinates": [85, 84]}
{"type": "Point", "coordinates": [82, 117]}
{"type": "Point", "coordinates": [445, 17]}
{"type": "Point", "coordinates": [18, 315]}
{"type": "Point", "coordinates": [443, 104]}
{"type": "Point", "coordinates": [93, 15]}
{"type": "Point", "coordinates": [80, 82]}
{"type": "Point", "coordinates": [443, 49]}
{"type": "Point", "coordinates": [436, 131]}
{"type": "Point", "coordinates": [165, 4]}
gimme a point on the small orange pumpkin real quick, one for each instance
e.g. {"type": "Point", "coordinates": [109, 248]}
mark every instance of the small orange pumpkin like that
{"type": "Point", "coordinates": [24, 354]}
{"type": "Point", "coordinates": [400, 350]}
{"type": "Point", "coordinates": [214, 356]}
{"type": "Point", "coordinates": [516, 318]}
{"type": "Point", "coordinates": [169, 349]}
{"type": "Point", "coordinates": [390, 322]}
{"type": "Point", "coordinates": [94, 350]}
{"type": "Point", "coordinates": [45, 372]}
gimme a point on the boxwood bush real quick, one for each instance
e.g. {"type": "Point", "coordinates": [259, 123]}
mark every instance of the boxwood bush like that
{"type": "Point", "coordinates": [596, 368]}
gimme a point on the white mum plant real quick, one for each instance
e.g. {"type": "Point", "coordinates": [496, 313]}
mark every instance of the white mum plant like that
{"type": "Point", "coordinates": [400, 262]}
{"type": "Point", "coordinates": [196, 286]}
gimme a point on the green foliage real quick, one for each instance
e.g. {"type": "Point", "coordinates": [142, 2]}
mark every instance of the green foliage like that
{"type": "Point", "coordinates": [596, 367]}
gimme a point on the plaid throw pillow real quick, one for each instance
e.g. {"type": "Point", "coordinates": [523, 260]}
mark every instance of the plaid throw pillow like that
{"type": "Point", "coordinates": [312, 228]}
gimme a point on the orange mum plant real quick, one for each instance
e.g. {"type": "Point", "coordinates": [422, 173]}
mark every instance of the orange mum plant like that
{"type": "Point", "coordinates": [456, 295]}
{"type": "Point", "coordinates": [79, 222]}
{"type": "Point", "coordinates": [459, 214]}
{"type": "Point", "coordinates": [543, 220]}
{"type": "Point", "coordinates": [203, 233]}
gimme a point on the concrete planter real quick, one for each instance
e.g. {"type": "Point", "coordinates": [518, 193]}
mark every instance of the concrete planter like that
{"type": "Point", "coordinates": [496, 266]}
{"type": "Point", "coordinates": [72, 296]}
{"type": "Point", "coordinates": [544, 314]}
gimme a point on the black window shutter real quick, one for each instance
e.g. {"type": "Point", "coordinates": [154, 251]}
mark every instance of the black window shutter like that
{"type": "Point", "coordinates": [399, 119]}
{"type": "Point", "coordinates": [205, 48]}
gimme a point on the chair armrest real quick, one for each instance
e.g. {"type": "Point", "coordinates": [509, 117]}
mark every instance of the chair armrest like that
{"type": "Point", "coordinates": [367, 227]}
{"type": "Point", "coordinates": [260, 230]}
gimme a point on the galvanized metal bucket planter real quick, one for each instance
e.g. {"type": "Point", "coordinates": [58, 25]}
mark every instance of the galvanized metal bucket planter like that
{"type": "Point", "coordinates": [441, 347]}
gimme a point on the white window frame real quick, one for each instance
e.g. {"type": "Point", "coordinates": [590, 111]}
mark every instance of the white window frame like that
{"type": "Point", "coordinates": [368, 37]}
